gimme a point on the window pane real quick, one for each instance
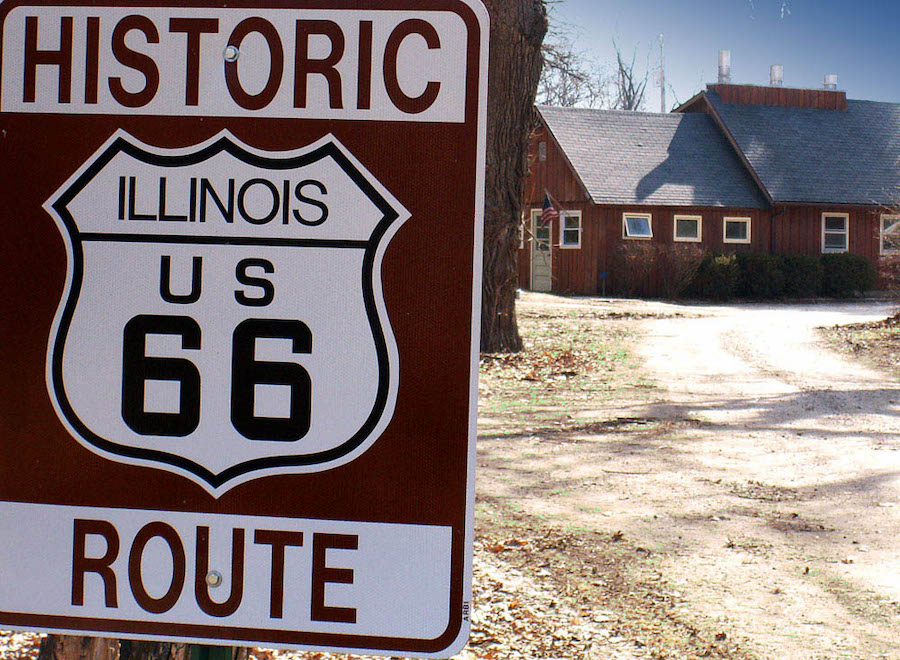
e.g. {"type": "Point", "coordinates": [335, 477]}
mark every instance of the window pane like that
{"type": "Point", "coordinates": [687, 228]}
{"type": "Point", "coordinates": [571, 237]}
{"type": "Point", "coordinates": [835, 241]}
{"type": "Point", "coordinates": [637, 226]}
{"type": "Point", "coordinates": [891, 225]}
{"type": "Point", "coordinates": [835, 223]}
{"type": "Point", "coordinates": [572, 221]}
{"type": "Point", "coordinates": [736, 230]}
{"type": "Point", "coordinates": [891, 242]}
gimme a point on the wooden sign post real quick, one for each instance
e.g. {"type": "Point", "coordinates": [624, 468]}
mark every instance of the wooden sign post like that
{"type": "Point", "coordinates": [241, 248]}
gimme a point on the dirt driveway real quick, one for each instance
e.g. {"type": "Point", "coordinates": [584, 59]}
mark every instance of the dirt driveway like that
{"type": "Point", "coordinates": [796, 466]}
{"type": "Point", "coordinates": [759, 469]}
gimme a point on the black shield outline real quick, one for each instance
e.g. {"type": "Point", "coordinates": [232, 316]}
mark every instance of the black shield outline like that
{"type": "Point", "coordinates": [225, 142]}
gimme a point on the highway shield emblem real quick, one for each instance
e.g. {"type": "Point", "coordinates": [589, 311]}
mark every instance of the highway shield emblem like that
{"type": "Point", "coordinates": [192, 335]}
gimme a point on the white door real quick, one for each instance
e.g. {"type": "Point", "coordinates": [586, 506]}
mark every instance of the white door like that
{"type": "Point", "coordinates": [541, 253]}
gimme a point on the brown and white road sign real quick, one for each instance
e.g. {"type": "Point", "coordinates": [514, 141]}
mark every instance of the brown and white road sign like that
{"type": "Point", "coordinates": [241, 250]}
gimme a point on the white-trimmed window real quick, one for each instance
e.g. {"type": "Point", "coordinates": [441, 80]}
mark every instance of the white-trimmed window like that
{"type": "Point", "coordinates": [835, 232]}
{"type": "Point", "coordinates": [890, 234]}
{"type": "Point", "coordinates": [570, 230]}
{"type": "Point", "coordinates": [736, 230]}
{"type": "Point", "coordinates": [637, 225]}
{"type": "Point", "coordinates": [688, 228]}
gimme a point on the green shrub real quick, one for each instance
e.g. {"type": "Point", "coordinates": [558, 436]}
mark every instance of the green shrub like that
{"type": "Point", "coordinates": [803, 275]}
{"type": "Point", "coordinates": [717, 277]}
{"type": "Point", "coordinates": [846, 274]}
{"type": "Point", "coordinates": [761, 276]}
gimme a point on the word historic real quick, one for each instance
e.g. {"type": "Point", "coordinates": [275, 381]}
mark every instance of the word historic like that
{"type": "Point", "coordinates": [231, 63]}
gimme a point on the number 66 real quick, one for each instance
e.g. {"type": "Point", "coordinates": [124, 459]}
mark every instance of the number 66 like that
{"type": "Point", "coordinates": [246, 373]}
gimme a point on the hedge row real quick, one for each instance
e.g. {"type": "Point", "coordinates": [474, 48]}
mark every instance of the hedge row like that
{"type": "Point", "coordinates": [763, 276]}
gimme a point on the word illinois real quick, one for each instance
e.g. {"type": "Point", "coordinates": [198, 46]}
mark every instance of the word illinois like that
{"type": "Point", "coordinates": [231, 63]}
{"type": "Point", "coordinates": [257, 201]}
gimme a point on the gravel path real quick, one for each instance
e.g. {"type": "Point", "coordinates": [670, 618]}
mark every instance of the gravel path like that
{"type": "Point", "coordinates": [796, 465]}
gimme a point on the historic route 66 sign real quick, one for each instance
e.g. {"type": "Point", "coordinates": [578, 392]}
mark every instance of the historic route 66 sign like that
{"type": "Point", "coordinates": [224, 314]}
{"type": "Point", "coordinates": [241, 265]}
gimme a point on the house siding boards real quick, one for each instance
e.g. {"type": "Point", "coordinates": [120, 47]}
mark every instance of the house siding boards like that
{"type": "Point", "coordinates": [575, 270]}
{"type": "Point", "coordinates": [786, 97]}
{"type": "Point", "coordinates": [798, 229]}
{"type": "Point", "coordinates": [553, 174]}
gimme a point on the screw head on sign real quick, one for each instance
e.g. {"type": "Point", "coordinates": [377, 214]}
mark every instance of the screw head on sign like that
{"type": "Point", "coordinates": [214, 579]}
{"type": "Point", "coordinates": [231, 54]}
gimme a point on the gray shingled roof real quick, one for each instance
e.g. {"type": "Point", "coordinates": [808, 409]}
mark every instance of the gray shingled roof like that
{"type": "Point", "coordinates": [824, 156]}
{"type": "Point", "coordinates": [652, 159]}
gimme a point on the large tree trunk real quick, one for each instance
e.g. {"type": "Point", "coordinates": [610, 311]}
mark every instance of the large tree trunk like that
{"type": "Point", "coordinates": [517, 32]}
{"type": "Point", "coordinates": [134, 650]}
{"type": "Point", "coordinates": [68, 647]}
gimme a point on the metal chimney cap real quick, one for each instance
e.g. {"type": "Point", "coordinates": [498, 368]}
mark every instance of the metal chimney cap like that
{"type": "Point", "coordinates": [831, 81]}
{"type": "Point", "coordinates": [776, 75]}
{"type": "Point", "coordinates": [724, 66]}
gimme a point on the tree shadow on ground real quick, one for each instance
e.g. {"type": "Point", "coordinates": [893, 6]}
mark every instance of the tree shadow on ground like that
{"type": "Point", "coordinates": [783, 412]}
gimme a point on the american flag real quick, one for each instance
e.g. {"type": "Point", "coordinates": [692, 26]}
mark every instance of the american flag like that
{"type": "Point", "coordinates": [549, 212]}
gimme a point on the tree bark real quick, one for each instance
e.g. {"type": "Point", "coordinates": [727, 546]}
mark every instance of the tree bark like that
{"type": "Point", "coordinates": [68, 647]}
{"type": "Point", "coordinates": [517, 32]}
{"type": "Point", "coordinates": [134, 650]}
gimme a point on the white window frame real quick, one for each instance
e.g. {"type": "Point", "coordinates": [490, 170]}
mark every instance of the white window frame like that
{"type": "Point", "coordinates": [887, 216]}
{"type": "Point", "coordinates": [698, 239]}
{"type": "Point", "coordinates": [562, 230]}
{"type": "Point", "coordinates": [649, 218]}
{"type": "Point", "coordinates": [846, 232]}
{"type": "Point", "coordinates": [744, 219]}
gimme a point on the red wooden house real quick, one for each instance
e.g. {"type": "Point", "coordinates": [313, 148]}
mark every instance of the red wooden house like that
{"type": "Point", "coordinates": [738, 167]}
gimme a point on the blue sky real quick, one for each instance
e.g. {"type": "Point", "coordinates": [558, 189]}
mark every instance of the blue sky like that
{"type": "Point", "coordinates": [857, 40]}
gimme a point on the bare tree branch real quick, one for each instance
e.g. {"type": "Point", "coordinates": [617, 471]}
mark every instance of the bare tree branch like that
{"type": "Point", "coordinates": [630, 87]}
{"type": "Point", "coordinates": [569, 78]}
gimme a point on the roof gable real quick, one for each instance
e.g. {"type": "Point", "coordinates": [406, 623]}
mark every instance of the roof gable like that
{"type": "Point", "coordinates": [652, 159]}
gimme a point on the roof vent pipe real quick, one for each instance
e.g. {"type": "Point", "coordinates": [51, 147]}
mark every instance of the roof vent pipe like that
{"type": "Point", "coordinates": [776, 75]}
{"type": "Point", "coordinates": [724, 67]}
{"type": "Point", "coordinates": [831, 81]}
